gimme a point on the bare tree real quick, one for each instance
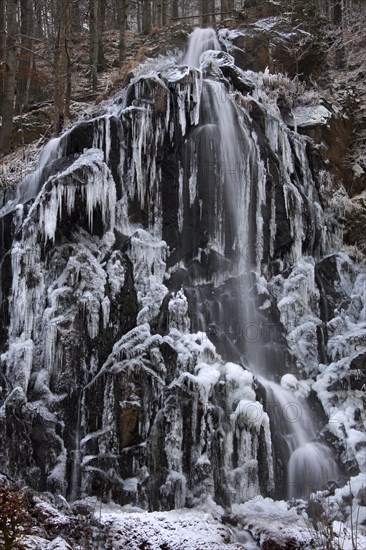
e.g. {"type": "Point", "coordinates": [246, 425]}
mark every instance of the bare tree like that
{"type": "Point", "coordinates": [2, 29]}
{"type": "Point", "coordinates": [165, 12]}
{"type": "Point", "coordinates": [93, 43]}
{"type": "Point", "coordinates": [25, 60]}
{"type": "Point", "coordinates": [62, 68]}
{"type": "Point", "coordinates": [7, 109]}
{"type": "Point", "coordinates": [175, 10]}
{"type": "Point", "coordinates": [227, 6]}
{"type": "Point", "coordinates": [203, 12]}
{"type": "Point", "coordinates": [146, 16]}
{"type": "Point", "coordinates": [156, 13]}
{"type": "Point", "coordinates": [123, 13]}
{"type": "Point", "coordinates": [100, 30]}
{"type": "Point", "coordinates": [2, 47]}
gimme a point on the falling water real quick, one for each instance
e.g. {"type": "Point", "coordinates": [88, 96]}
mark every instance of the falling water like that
{"type": "Point", "coordinates": [310, 463]}
{"type": "Point", "coordinates": [200, 41]}
{"type": "Point", "coordinates": [31, 184]}
{"type": "Point", "coordinates": [29, 188]}
{"type": "Point", "coordinates": [234, 155]}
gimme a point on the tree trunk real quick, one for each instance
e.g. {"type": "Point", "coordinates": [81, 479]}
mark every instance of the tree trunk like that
{"type": "Point", "coordinates": [146, 16]}
{"type": "Point", "coordinates": [62, 77]}
{"type": "Point", "coordinates": [203, 11]}
{"type": "Point", "coordinates": [2, 30]}
{"type": "Point", "coordinates": [338, 21]}
{"type": "Point", "coordinates": [158, 10]}
{"type": "Point", "coordinates": [100, 29]}
{"type": "Point", "coordinates": [7, 110]}
{"type": "Point", "coordinates": [175, 10]}
{"type": "Point", "coordinates": [122, 30]}
{"type": "Point", "coordinates": [37, 19]}
{"type": "Point", "coordinates": [211, 11]}
{"type": "Point", "coordinates": [116, 16]}
{"type": "Point", "coordinates": [2, 46]}
{"type": "Point", "coordinates": [226, 7]}
{"type": "Point", "coordinates": [76, 17]}
{"type": "Point", "coordinates": [26, 56]}
{"type": "Point", "coordinates": [93, 43]}
{"type": "Point", "coordinates": [337, 13]}
{"type": "Point", "coordinates": [138, 16]}
{"type": "Point", "coordinates": [165, 12]}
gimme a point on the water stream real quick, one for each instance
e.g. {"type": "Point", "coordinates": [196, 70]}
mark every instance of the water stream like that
{"type": "Point", "coordinates": [233, 154]}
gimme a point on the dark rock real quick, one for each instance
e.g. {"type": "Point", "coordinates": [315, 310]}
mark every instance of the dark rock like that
{"type": "Point", "coordinates": [361, 495]}
{"type": "Point", "coordinates": [327, 278]}
{"type": "Point", "coordinates": [261, 46]}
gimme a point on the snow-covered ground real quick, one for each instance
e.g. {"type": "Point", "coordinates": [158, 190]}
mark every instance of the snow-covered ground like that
{"type": "Point", "coordinates": [336, 520]}
{"type": "Point", "coordinates": [175, 530]}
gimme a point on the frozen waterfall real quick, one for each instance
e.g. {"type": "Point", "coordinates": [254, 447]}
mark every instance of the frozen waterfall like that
{"type": "Point", "coordinates": [158, 281]}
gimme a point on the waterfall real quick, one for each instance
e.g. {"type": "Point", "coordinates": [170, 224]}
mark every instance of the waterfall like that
{"type": "Point", "coordinates": [235, 156]}
{"type": "Point", "coordinates": [163, 266]}
{"type": "Point", "coordinates": [310, 464]}
{"type": "Point", "coordinates": [29, 188]}
{"type": "Point", "coordinates": [200, 41]}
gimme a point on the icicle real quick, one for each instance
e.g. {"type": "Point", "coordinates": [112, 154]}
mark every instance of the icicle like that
{"type": "Point", "coordinates": [107, 138]}
{"type": "Point", "coordinates": [99, 190]}
{"type": "Point", "coordinates": [180, 199]}
{"type": "Point", "coordinates": [106, 306]}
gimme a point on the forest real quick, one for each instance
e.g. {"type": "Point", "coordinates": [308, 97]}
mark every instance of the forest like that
{"type": "Point", "coordinates": [55, 24]}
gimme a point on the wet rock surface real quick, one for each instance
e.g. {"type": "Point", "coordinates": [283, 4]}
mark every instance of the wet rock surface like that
{"type": "Point", "coordinates": [126, 266]}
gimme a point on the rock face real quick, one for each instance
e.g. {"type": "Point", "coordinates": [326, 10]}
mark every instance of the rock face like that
{"type": "Point", "coordinates": [185, 221]}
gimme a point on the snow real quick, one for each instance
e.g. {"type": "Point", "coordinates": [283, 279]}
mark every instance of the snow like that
{"type": "Point", "coordinates": [19, 355]}
{"type": "Point", "coordinates": [32, 542]}
{"type": "Point", "coordinates": [268, 23]}
{"type": "Point", "coordinates": [312, 115]}
{"type": "Point", "coordinates": [116, 273]}
{"type": "Point", "coordinates": [271, 520]}
{"type": "Point", "coordinates": [207, 376]}
{"type": "Point", "coordinates": [177, 530]}
{"type": "Point", "coordinates": [226, 37]}
{"type": "Point", "coordinates": [178, 312]}
{"type": "Point", "coordinates": [148, 256]}
{"type": "Point", "coordinates": [289, 382]}
{"type": "Point", "coordinates": [297, 298]}
{"type": "Point", "coordinates": [239, 383]}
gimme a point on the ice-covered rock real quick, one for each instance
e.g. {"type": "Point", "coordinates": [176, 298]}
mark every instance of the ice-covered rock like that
{"type": "Point", "coordinates": [165, 248]}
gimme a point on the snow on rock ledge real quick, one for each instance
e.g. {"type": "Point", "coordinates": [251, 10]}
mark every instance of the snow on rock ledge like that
{"type": "Point", "coordinates": [310, 115]}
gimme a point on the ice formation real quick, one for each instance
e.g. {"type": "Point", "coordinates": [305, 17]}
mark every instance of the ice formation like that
{"type": "Point", "coordinates": [162, 280]}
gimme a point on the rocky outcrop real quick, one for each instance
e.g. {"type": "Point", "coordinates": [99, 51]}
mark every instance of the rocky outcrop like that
{"type": "Point", "coordinates": [186, 214]}
{"type": "Point", "coordinates": [269, 43]}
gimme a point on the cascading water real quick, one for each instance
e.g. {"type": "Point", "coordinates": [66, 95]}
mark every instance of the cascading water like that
{"type": "Point", "coordinates": [310, 464]}
{"type": "Point", "coordinates": [200, 41]}
{"type": "Point", "coordinates": [234, 153]}
{"type": "Point", "coordinates": [188, 206]}
{"type": "Point", "coordinates": [29, 188]}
